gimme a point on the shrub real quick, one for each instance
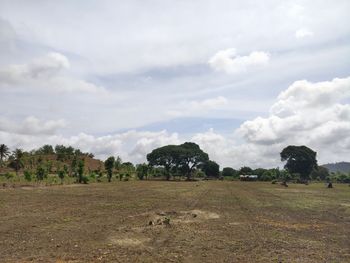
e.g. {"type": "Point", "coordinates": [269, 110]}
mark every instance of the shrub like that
{"type": "Point", "coordinates": [274, 181]}
{"type": "Point", "coordinates": [28, 176]}
{"type": "Point", "coordinates": [84, 179]}
{"type": "Point", "coordinates": [9, 175]}
{"type": "Point", "coordinates": [40, 173]}
{"type": "Point", "coordinates": [61, 174]}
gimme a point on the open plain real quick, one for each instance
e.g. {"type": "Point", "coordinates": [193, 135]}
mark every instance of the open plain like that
{"type": "Point", "coordinates": [158, 221]}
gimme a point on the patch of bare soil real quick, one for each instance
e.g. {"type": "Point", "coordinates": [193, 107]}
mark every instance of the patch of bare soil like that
{"type": "Point", "coordinates": [129, 240]}
{"type": "Point", "coordinates": [174, 217]}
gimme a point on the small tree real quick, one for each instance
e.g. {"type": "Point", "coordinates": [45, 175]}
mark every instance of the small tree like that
{"type": "Point", "coordinates": [27, 175]}
{"type": "Point", "coordinates": [61, 174]}
{"type": "Point", "coordinates": [229, 172]}
{"type": "Point", "coordinates": [40, 173]}
{"type": "Point", "coordinates": [142, 170]}
{"type": "Point", "coordinates": [246, 170]}
{"type": "Point", "coordinates": [80, 171]}
{"type": "Point", "coordinates": [211, 169]}
{"type": "Point", "coordinates": [17, 162]}
{"type": "Point", "coordinates": [4, 152]}
{"type": "Point", "coordinates": [109, 165]}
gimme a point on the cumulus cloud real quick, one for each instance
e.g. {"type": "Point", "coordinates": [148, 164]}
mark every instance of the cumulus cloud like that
{"type": "Point", "coordinates": [229, 62]}
{"type": "Point", "coordinates": [32, 126]}
{"type": "Point", "coordinates": [314, 114]}
{"type": "Point", "coordinates": [46, 73]}
{"type": "Point", "coordinates": [303, 33]}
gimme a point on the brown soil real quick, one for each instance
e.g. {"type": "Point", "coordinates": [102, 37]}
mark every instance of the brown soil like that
{"type": "Point", "coordinates": [191, 222]}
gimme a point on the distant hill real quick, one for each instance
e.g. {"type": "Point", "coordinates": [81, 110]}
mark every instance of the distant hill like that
{"type": "Point", "coordinates": [343, 167]}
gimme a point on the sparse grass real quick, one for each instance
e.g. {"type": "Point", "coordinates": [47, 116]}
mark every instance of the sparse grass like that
{"type": "Point", "coordinates": [109, 222]}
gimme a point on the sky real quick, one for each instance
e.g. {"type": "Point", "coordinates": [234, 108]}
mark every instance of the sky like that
{"type": "Point", "coordinates": [243, 79]}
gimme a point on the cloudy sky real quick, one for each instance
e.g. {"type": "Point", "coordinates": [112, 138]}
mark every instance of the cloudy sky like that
{"type": "Point", "coordinates": [243, 79]}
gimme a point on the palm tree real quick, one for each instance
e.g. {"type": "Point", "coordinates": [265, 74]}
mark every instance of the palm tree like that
{"type": "Point", "coordinates": [17, 162]}
{"type": "Point", "coordinates": [4, 152]}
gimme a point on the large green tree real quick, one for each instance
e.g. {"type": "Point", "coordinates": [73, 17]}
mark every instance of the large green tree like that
{"type": "Point", "coordinates": [191, 156]}
{"type": "Point", "coordinates": [174, 158]}
{"type": "Point", "coordinates": [166, 156]}
{"type": "Point", "coordinates": [4, 152]}
{"type": "Point", "coordinates": [300, 160]}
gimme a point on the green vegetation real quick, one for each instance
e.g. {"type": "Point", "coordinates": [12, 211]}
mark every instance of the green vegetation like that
{"type": "Point", "coordinates": [301, 160]}
{"type": "Point", "coordinates": [65, 164]}
{"type": "Point", "coordinates": [178, 159]}
{"type": "Point", "coordinates": [4, 152]}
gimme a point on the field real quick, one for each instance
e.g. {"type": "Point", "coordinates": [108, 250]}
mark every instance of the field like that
{"type": "Point", "coordinates": [157, 221]}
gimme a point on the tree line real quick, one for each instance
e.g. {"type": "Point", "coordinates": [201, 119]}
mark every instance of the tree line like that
{"type": "Point", "coordinates": [187, 161]}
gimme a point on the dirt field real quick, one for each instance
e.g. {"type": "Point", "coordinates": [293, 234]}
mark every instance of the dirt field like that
{"type": "Point", "coordinates": [148, 221]}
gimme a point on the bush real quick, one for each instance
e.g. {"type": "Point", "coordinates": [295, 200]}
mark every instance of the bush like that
{"type": "Point", "coordinates": [28, 176]}
{"type": "Point", "coordinates": [61, 174]}
{"type": "Point", "coordinates": [40, 173]}
{"type": "Point", "coordinates": [84, 179]}
{"type": "Point", "coordinates": [274, 181]}
{"type": "Point", "coordinates": [8, 175]}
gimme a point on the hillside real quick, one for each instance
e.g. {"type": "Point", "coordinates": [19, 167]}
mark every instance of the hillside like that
{"type": "Point", "coordinates": [343, 167]}
{"type": "Point", "coordinates": [53, 163]}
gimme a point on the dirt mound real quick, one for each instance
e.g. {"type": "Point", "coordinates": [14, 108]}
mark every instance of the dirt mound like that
{"type": "Point", "coordinates": [170, 217]}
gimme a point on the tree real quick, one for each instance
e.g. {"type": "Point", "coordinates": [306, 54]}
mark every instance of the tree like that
{"type": "Point", "coordinates": [40, 173]}
{"type": "Point", "coordinates": [300, 160]}
{"type": "Point", "coordinates": [229, 172]}
{"type": "Point", "coordinates": [320, 173]}
{"type": "Point", "coordinates": [27, 175]}
{"type": "Point", "coordinates": [17, 162]}
{"type": "Point", "coordinates": [118, 163]}
{"type": "Point", "coordinates": [142, 170]}
{"type": "Point", "coordinates": [259, 172]}
{"type": "Point", "coordinates": [45, 149]}
{"type": "Point", "coordinates": [185, 158]}
{"type": "Point", "coordinates": [61, 174]}
{"type": "Point", "coordinates": [191, 156]}
{"type": "Point", "coordinates": [4, 152]}
{"type": "Point", "coordinates": [109, 165]}
{"type": "Point", "coordinates": [166, 156]}
{"type": "Point", "coordinates": [246, 170]}
{"type": "Point", "coordinates": [211, 169]}
{"type": "Point", "coordinates": [80, 171]}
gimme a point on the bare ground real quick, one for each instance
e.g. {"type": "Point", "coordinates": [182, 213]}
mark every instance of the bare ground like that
{"type": "Point", "coordinates": [175, 222]}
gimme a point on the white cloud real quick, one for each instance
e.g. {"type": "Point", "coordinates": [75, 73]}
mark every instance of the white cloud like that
{"type": "Point", "coordinates": [303, 33]}
{"type": "Point", "coordinates": [45, 73]}
{"type": "Point", "coordinates": [229, 62]}
{"type": "Point", "coordinates": [314, 114]}
{"type": "Point", "coordinates": [32, 126]}
{"type": "Point", "coordinates": [131, 145]}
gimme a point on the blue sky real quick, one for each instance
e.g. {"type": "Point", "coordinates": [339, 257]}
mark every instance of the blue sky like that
{"type": "Point", "coordinates": [120, 78]}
